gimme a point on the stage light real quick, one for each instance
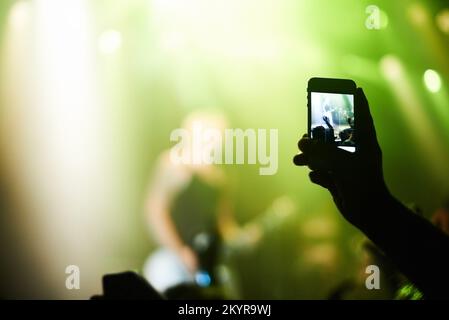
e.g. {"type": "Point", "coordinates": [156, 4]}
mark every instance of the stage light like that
{"type": "Point", "coordinates": [418, 14]}
{"type": "Point", "coordinates": [391, 67]}
{"type": "Point", "coordinates": [412, 108]}
{"type": "Point", "coordinates": [64, 151]}
{"type": "Point", "coordinates": [109, 41]}
{"type": "Point", "coordinates": [432, 80]}
{"type": "Point", "coordinates": [432, 43]}
{"type": "Point", "coordinates": [442, 20]}
{"type": "Point", "coordinates": [203, 279]}
{"type": "Point", "coordinates": [172, 41]}
{"type": "Point", "coordinates": [19, 14]}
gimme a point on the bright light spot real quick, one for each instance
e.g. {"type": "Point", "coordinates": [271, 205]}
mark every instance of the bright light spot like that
{"type": "Point", "coordinates": [432, 80]}
{"type": "Point", "coordinates": [417, 14]}
{"type": "Point", "coordinates": [391, 67]}
{"type": "Point", "coordinates": [442, 20]}
{"type": "Point", "coordinates": [19, 14]}
{"type": "Point", "coordinates": [203, 279]}
{"type": "Point", "coordinates": [173, 41]}
{"type": "Point", "coordinates": [109, 42]}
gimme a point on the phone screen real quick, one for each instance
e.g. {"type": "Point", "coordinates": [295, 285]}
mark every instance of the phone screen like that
{"type": "Point", "coordinates": [332, 118]}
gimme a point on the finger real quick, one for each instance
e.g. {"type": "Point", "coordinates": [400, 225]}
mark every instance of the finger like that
{"type": "Point", "coordinates": [320, 178]}
{"type": "Point", "coordinates": [308, 157]}
{"type": "Point", "coordinates": [364, 124]}
{"type": "Point", "coordinates": [324, 179]}
{"type": "Point", "coordinates": [324, 156]}
{"type": "Point", "coordinates": [300, 159]}
{"type": "Point", "coordinates": [304, 141]}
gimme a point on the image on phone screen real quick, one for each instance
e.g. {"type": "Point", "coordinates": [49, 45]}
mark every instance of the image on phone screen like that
{"type": "Point", "coordinates": [332, 118]}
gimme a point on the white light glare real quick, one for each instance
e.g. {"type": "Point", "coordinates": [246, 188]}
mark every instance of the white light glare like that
{"type": "Point", "coordinates": [432, 80]}
{"type": "Point", "coordinates": [391, 67]}
{"type": "Point", "coordinates": [109, 41]}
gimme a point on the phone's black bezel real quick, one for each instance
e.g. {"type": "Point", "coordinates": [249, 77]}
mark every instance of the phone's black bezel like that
{"type": "Point", "coordinates": [327, 85]}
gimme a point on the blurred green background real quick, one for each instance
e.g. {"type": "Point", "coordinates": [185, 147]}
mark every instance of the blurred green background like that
{"type": "Point", "coordinates": [90, 91]}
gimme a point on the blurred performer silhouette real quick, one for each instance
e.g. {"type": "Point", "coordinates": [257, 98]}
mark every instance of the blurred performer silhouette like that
{"type": "Point", "coordinates": [190, 215]}
{"type": "Point", "coordinates": [188, 211]}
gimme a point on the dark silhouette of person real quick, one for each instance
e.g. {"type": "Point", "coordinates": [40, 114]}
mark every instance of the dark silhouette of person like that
{"type": "Point", "coordinates": [356, 182]}
{"type": "Point", "coordinates": [126, 285]}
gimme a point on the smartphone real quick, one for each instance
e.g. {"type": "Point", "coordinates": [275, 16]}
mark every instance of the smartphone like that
{"type": "Point", "coordinates": [331, 116]}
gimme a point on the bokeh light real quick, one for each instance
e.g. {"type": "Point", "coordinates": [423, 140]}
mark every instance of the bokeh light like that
{"type": "Point", "coordinates": [391, 67]}
{"type": "Point", "coordinates": [442, 20]}
{"type": "Point", "coordinates": [432, 80]}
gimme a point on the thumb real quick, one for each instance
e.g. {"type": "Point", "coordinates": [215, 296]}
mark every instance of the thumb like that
{"type": "Point", "coordinates": [364, 124]}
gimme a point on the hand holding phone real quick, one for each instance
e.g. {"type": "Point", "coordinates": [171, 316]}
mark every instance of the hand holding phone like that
{"type": "Point", "coordinates": [354, 178]}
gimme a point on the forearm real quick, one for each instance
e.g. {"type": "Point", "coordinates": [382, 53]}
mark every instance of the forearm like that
{"type": "Point", "coordinates": [420, 250]}
{"type": "Point", "coordinates": [163, 227]}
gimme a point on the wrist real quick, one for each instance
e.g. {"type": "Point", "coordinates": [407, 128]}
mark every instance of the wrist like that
{"type": "Point", "coordinates": [378, 210]}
